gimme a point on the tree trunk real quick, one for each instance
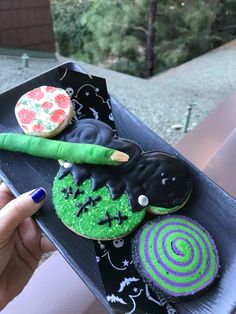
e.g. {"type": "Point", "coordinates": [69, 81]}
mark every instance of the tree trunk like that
{"type": "Point", "coordinates": [150, 41]}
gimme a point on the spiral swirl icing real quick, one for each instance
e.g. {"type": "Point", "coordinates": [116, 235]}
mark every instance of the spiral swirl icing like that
{"type": "Point", "coordinates": [176, 255]}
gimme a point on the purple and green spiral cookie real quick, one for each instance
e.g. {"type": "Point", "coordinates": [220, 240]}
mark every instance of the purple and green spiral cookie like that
{"type": "Point", "coordinates": [176, 257]}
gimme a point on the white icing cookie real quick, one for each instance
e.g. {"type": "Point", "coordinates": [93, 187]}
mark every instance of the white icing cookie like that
{"type": "Point", "coordinates": [44, 111]}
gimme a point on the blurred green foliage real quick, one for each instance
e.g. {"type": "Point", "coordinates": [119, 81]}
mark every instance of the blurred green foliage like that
{"type": "Point", "coordinates": [113, 32]}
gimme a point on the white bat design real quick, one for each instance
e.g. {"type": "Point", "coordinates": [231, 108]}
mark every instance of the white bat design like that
{"type": "Point", "coordinates": [126, 282]}
{"type": "Point", "coordinates": [113, 298]}
{"type": "Point", "coordinates": [95, 113]}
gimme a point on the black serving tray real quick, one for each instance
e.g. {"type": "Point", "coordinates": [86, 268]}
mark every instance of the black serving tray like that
{"type": "Point", "coordinates": [209, 204]}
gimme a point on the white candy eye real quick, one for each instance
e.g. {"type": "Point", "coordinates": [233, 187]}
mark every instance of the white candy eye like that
{"type": "Point", "coordinates": [143, 200]}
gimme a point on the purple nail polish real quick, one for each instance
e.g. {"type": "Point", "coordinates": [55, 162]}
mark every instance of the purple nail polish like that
{"type": "Point", "coordinates": [38, 195]}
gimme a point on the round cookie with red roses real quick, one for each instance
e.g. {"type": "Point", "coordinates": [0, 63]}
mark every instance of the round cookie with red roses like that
{"type": "Point", "coordinates": [44, 111]}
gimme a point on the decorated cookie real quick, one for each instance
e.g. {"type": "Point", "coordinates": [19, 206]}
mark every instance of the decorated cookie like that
{"type": "Point", "coordinates": [157, 181]}
{"type": "Point", "coordinates": [106, 202]}
{"type": "Point", "coordinates": [44, 111]}
{"type": "Point", "coordinates": [92, 214]}
{"type": "Point", "coordinates": [175, 256]}
{"type": "Point", "coordinates": [113, 200]}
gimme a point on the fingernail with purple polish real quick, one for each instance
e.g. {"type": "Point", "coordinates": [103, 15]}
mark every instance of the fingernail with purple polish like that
{"type": "Point", "coordinates": [38, 195]}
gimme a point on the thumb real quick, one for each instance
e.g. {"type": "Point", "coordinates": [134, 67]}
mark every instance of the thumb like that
{"type": "Point", "coordinates": [19, 209]}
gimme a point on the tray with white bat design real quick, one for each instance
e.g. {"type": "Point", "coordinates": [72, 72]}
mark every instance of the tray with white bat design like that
{"type": "Point", "coordinates": [209, 204]}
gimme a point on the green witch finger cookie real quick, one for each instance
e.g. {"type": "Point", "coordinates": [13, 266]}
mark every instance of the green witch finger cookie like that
{"type": "Point", "coordinates": [75, 153]}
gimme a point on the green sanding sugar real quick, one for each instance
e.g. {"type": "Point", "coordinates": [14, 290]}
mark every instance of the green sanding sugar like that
{"type": "Point", "coordinates": [87, 223]}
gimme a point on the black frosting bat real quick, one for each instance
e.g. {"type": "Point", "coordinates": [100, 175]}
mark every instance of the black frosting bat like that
{"type": "Point", "coordinates": [162, 179]}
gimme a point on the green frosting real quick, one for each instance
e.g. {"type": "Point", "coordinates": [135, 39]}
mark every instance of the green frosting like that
{"type": "Point", "coordinates": [47, 148]}
{"type": "Point", "coordinates": [87, 223]}
{"type": "Point", "coordinates": [163, 210]}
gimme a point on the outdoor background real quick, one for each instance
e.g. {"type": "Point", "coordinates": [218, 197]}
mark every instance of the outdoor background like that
{"type": "Point", "coordinates": [141, 37]}
{"type": "Point", "coordinates": [180, 54]}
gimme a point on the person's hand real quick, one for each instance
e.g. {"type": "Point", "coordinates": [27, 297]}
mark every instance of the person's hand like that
{"type": "Point", "coordinates": [21, 241]}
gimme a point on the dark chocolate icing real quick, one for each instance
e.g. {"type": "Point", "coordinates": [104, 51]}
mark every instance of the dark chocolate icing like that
{"type": "Point", "coordinates": [108, 219]}
{"type": "Point", "coordinates": [163, 178]}
{"type": "Point", "coordinates": [69, 191]}
{"type": "Point", "coordinates": [90, 202]}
